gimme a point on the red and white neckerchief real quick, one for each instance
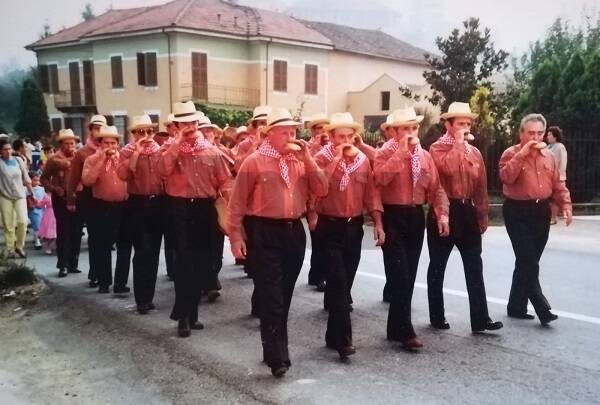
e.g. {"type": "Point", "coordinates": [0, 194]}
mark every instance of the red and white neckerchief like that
{"type": "Point", "coordinates": [448, 139]}
{"type": "Point", "coordinates": [415, 161]}
{"type": "Point", "coordinates": [150, 148]}
{"type": "Point", "coordinates": [346, 168]}
{"type": "Point", "coordinates": [91, 144]}
{"type": "Point", "coordinates": [112, 162]}
{"type": "Point", "coordinates": [266, 149]}
{"type": "Point", "coordinates": [189, 148]}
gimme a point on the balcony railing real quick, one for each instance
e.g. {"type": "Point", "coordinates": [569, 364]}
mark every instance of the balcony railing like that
{"type": "Point", "coordinates": [73, 99]}
{"type": "Point", "coordinates": [221, 95]}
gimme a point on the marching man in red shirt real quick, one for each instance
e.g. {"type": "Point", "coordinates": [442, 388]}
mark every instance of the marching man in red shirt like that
{"type": "Point", "coordinates": [340, 224]}
{"type": "Point", "coordinates": [268, 200]}
{"type": "Point", "coordinates": [531, 178]}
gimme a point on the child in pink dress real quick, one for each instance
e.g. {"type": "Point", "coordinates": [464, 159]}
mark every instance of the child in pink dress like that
{"type": "Point", "coordinates": [48, 225]}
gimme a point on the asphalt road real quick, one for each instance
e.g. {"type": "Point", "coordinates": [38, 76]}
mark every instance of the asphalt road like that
{"type": "Point", "coordinates": [522, 363]}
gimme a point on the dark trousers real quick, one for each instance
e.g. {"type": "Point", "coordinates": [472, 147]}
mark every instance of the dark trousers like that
{"type": "Point", "coordinates": [86, 204]}
{"type": "Point", "coordinates": [528, 225]}
{"type": "Point", "coordinates": [219, 245]}
{"type": "Point", "coordinates": [104, 231]}
{"type": "Point", "coordinates": [465, 234]}
{"type": "Point", "coordinates": [127, 231]}
{"type": "Point", "coordinates": [68, 234]}
{"type": "Point", "coordinates": [387, 290]}
{"type": "Point", "coordinates": [147, 217]}
{"type": "Point", "coordinates": [341, 248]}
{"type": "Point", "coordinates": [193, 222]}
{"type": "Point", "coordinates": [317, 272]}
{"type": "Point", "coordinates": [254, 307]}
{"type": "Point", "coordinates": [167, 232]}
{"type": "Point", "coordinates": [275, 255]}
{"type": "Point", "coordinates": [404, 228]}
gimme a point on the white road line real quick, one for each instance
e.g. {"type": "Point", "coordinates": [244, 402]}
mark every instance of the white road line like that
{"type": "Point", "coordinates": [499, 301]}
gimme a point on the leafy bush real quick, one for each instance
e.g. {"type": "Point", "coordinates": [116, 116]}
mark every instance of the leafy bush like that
{"type": "Point", "coordinates": [15, 275]}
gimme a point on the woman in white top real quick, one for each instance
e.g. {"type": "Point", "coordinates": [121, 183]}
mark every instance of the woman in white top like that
{"type": "Point", "coordinates": [554, 140]}
{"type": "Point", "coordinates": [14, 181]}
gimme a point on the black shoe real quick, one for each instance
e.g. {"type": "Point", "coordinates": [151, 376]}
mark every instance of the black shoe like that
{"type": "Point", "coordinates": [321, 286]}
{"type": "Point", "coordinates": [121, 289]}
{"type": "Point", "coordinates": [521, 316]}
{"type": "Point", "coordinates": [213, 295]}
{"type": "Point", "coordinates": [93, 284]}
{"type": "Point", "coordinates": [444, 325]}
{"type": "Point", "coordinates": [142, 309]}
{"type": "Point", "coordinates": [489, 326]}
{"type": "Point", "coordinates": [103, 289]}
{"type": "Point", "coordinates": [547, 318]}
{"type": "Point", "coordinates": [183, 328]}
{"type": "Point", "coordinates": [279, 371]}
{"type": "Point", "coordinates": [151, 306]}
{"type": "Point", "coordinates": [74, 271]}
{"type": "Point", "coordinates": [347, 351]}
{"type": "Point", "coordinates": [62, 272]}
{"type": "Point", "coordinates": [196, 325]}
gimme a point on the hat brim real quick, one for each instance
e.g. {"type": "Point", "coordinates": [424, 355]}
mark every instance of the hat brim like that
{"type": "Point", "coordinates": [354, 125]}
{"type": "Point", "coordinates": [141, 126]}
{"type": "Point", "coordinates": [418, 119]}
{"type": "Point", "coordinates": [384, 126]}
{"type": "Point", "coordinates": [67, 137]}
{"type": "Point", "coordinates": [311, 124]}
{"type": "Point", "coordinates": [258, 118]}
{"type": "Point", "coordinates": [287, 123]}
{"type": "Point", "coordinates": [100, 136]}
{"type": "Point", "coordinates": [213, 126]}
{"type": "Point", "coordinates": [100, 123]}
{"type": "Point", "coordinates": [472, 116]}
{"type": "Point", "coordinates": [188, 118]}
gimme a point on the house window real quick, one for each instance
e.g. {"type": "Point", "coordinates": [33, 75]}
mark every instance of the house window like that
{"type": "Point", "coordinates": [154, 118]}
{"type": "Point", "coordinates": [146, 67]}
{"type": "Point", "coordinates": [48, 76]}
{"type": "Point", "coordinates": [116, 67]}
{"type": "Point", "coordinates": [311, 79]}
{"type": "Point", "coordinates": [280, 75]}
{"type": "Point", "coordinates": [385, 100]}
{"type": "Point", "coordinates": [56, 124]}
{"type": "Point", "coordinates": [199, 76]}
{"type": "Point", "coordinates": [76, 124]}
{"type": "Point", "coordinates": [120, 121]}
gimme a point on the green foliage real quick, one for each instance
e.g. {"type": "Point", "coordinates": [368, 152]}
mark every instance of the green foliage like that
{"type": "Point", "coordinates": [88, 13]}
{"type": "Point", "coordinates": [223, 117]}
{"type": "Point", "coordinates": [468, 61]}
{"type": "Point", "coordinates": [32, 119]}
{"type": "Point", "coordinates": [11, 81]}
{"type": "Point", "coordinates": [45, 31]}
{"type": "Point", "coordinates": [15, 275]}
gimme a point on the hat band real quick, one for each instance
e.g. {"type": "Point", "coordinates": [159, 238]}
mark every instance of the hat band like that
{"type": "Point", "coordinates": [280, 121]}
{"type": "Point", "coordinates": [185, 114]}
{"type": "Point", "coordinates": [259, 116]}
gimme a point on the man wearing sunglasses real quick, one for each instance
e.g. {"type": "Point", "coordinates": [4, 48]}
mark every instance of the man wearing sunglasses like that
{"type": "Point", "coordinates": [139, 167]}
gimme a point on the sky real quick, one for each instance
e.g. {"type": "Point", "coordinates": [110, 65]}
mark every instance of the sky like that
{"type": "Point", "coordinates": [514, 23]}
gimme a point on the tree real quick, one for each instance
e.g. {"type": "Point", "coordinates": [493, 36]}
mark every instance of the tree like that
{"type": "Point", "coordinates": [223, 117]}
{"type": "Point", "coordinates": [88, 13]}
{"type": "Point", "coordinates": [468, 61]}
{"type": "Point", "coordinates": [32, 120]}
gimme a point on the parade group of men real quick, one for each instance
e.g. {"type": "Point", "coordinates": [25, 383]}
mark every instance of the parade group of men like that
{"type": "Point", "coordinates": [176, 186]}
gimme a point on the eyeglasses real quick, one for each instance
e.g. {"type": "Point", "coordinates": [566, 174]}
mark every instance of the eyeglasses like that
{"type": "Point", "coordinates": [147, 131]}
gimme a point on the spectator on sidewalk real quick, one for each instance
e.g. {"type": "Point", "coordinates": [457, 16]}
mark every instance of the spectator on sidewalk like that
{"type": "Point", "coordinates": [554, 138]}
{"type": "Point", "coordinates": [47, 232]}
{"type": "Point", "coordinates": [34, 210]}
{"type": "Point", "coordinates": [14, 181]}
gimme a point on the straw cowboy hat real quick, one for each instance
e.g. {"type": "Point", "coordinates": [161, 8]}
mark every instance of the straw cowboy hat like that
{"type": "Point", "coordinates": [98, 120]}
{"type": "Point", "coordinates": [279, 117]}
{"type": "Point", "coordinates": [169, 120]}
{"type": "Point", "coordinates": [316, 120]}
{"type": "Point", "coordinates": [108, 132]}
{"type": "Point", "coordinates": [204, 122]}
{"type": "Point", "coordinates": [141, 121]}
{"type": "Point", "coordinates": [405, 116]}
{"type": "Point", "coordinates": [65, 134]}
{"type": "Point", "coordinates": [260, 113]}
{"type": "Point", "coordinates": [342, 120]}
{"type": "Point", "coordinates": [4, 136]}
{"type": "Point", "coordinates": [386, 124]}
{"type": "Point", "coordinates": [457, 109]}
{"type": "Point", "coordinates": [241, 130]}
{"type": "Point", "coordinates": [186, 112]}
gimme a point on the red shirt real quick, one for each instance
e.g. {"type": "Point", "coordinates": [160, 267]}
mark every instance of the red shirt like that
{"type": "Point", "coordinates": [105, 183]}
{"type": "Point", "coordinates": [74, 178]}
{"type": "Point", "coordinates": [393, 177]}
{"type": "Point", "coordinates": [532, 177]}
{"type": "Point", "coordinates": [462, 175]}
{"type": "Point", "coordinates": [144, 178]}
{"type": "Point", "coordinates": [358, 195]}
{"type": "Point", "coordinates": [202, 174]}
{"type": "Point", "coordinates": [259, 190]}
{"type": "Point", "coordinates": [244, 149]}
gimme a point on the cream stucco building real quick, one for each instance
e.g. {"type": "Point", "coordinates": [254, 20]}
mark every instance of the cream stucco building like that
{"type": "Point", "coordinates": [134, 61]}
